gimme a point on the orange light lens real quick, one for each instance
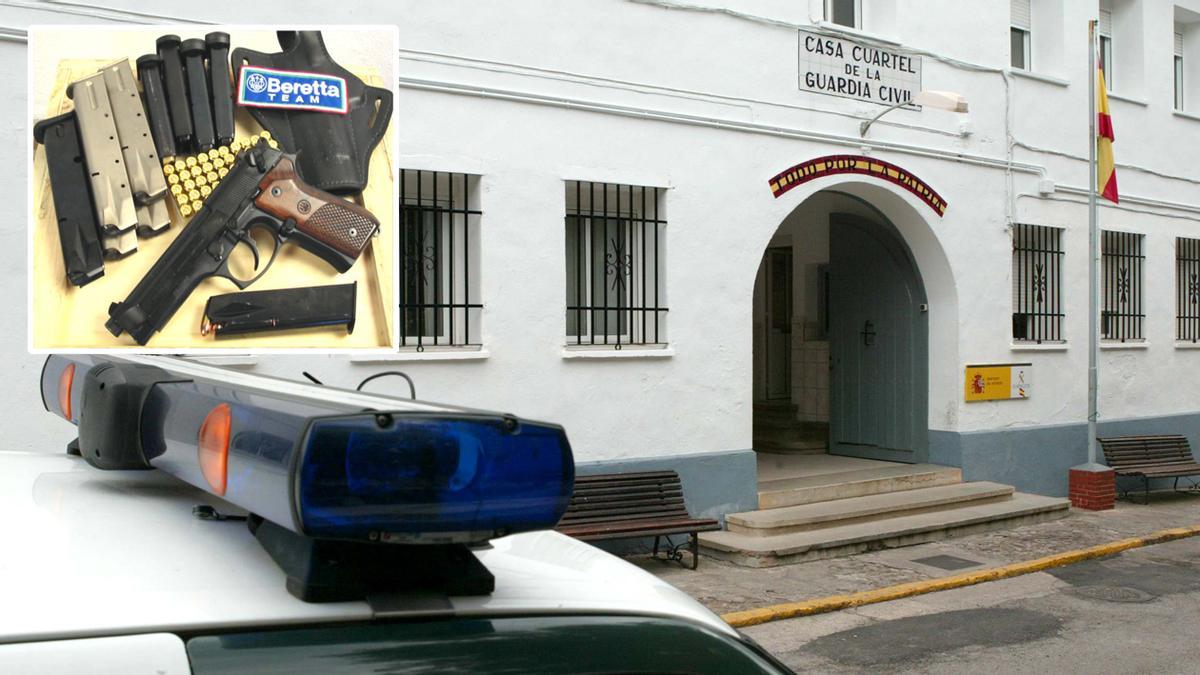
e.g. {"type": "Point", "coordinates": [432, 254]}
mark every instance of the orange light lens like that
{"type": "Point", "coordinates": [214, 447]}
{"type": "Point", "coordinates": [65, 380]}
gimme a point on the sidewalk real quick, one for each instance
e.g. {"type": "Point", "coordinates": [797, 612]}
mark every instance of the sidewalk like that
{"type": "Point", "coordinates": [724, 587]}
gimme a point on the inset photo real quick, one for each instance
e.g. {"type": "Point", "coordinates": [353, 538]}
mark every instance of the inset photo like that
{"type": "Point", "coordinates": [217, 187]}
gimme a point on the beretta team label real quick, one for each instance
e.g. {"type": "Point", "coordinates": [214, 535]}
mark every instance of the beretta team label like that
{"type": "Point", "coordinates": [292, 89]}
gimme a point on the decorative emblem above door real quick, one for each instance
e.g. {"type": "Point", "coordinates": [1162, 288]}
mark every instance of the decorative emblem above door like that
{"type": "Point", "coordinates": [831, 165]}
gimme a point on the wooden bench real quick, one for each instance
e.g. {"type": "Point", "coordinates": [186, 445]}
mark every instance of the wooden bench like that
{"type": "Point", "coordinates": [1150, 457]}
{"type": "Point", "coordinates": [628, 505]}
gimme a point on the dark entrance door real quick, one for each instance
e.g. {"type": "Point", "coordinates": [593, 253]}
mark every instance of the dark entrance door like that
{"type": "Point", "coordinates": [778, 365]}
{"type": "Point", "coordinates": [878, 345]}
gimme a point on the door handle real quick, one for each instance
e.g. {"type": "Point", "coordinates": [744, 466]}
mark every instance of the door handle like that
{"type": "Point", "coordinates": [868, 333]}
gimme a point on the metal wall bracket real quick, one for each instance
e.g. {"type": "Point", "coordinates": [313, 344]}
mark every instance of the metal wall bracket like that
{"type": "Point", "coordinates": [115, 208]}
{"type": "Point", "coordinates": [142, 164]}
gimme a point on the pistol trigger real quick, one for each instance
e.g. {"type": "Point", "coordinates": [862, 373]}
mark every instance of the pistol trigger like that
{"type": "Point", "coordinates": [249, 241]}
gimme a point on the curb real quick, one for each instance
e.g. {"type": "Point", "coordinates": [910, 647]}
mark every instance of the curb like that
{"type": "Point", "coordinates": [789, 610]}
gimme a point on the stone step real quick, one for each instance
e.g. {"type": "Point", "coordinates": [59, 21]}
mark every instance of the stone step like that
{"type": "Point", "coordinates": [904, 530]}
{"type": "Point", "coordinates": [772, 406]}
{"type": "Point", "coordinates": [796, 428]}
{"type": "Point", "coordinates": [774, 494]}
{"type": "Point", "coordinates": [839, 512]}
{"type": "Point", "coordinates": [789, 443]}
{"type": "Point", "coordinates": [782, 413]}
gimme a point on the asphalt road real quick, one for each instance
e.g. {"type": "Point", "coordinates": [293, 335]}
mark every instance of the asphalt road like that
{"type": "Point", "coordinates": [1135, 612]}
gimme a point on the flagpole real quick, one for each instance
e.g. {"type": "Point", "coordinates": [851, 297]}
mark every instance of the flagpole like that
{"type": "Point", "coordinates": [1094, 257]}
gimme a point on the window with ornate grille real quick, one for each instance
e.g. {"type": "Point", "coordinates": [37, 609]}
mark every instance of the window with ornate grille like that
{"type": "Point", "coordinates": [1187, 289]}
{"type": "Point", "coordinates": [1122, 312]}
{"type": "Point", "coordinates": [439, 260]}
{"type": "Point", "coordinates": [1037, 284]}
{"type": "Point", "coordinates": [616, 265]}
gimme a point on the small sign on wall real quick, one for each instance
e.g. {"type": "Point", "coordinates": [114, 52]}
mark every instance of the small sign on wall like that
{"type": "Point", "coordinates": [996, 382]}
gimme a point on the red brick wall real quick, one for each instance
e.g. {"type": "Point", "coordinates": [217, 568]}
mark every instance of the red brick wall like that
{"type": "Point", "coordinates": [1092, 490]}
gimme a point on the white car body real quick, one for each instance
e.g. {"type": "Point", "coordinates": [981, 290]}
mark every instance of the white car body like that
{"type": "Point", "coordinates": [93, 554]}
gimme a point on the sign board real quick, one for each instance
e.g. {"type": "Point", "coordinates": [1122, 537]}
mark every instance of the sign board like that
{"type": "Point", "coordinates": [999, 381]}
{"type": "Point", "coordinates": [830, 165]}
{"type": "Point", "coordinates": [866, 72]}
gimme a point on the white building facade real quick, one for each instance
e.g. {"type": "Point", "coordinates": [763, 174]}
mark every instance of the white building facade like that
{"type": "Point", "coordinates": [601, 229]}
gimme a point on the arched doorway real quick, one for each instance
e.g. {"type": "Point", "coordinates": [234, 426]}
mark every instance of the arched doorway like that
{"type": "Point", "coordinates": [841, 336]}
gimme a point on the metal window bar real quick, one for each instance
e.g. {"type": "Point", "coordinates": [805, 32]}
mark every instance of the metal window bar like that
{"type": "Point", "coordinates": [614, 255]}
{"type": "Point", "coordinates": [1037, 284]}
{"type": "Point", "coordinates": [1122, 313]}
{"type": "Point", "coordinates": [1187, 289]}
{"type": "Point", "coordinates": [438, 286]}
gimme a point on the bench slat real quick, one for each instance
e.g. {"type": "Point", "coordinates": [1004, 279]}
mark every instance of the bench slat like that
{"type": "Point", "coordinates": [630, 490]}
{"type": "Point", "coordinates": [650, 527]}
{"type": "Point", "coordinates": [624, 514]}
{"type": "Point", "coordinates": [617, 512]}
{"type": "Point", "coordinates": [578, 502]}
{"type": "Point", "coordinates": [626, 477]}
{"type": "Point", "coordinates": [1160, 456]}
{"type": "Point", "coordinates": [1163, 471]}
{"type": "Point", "coordinates": [622, 506]}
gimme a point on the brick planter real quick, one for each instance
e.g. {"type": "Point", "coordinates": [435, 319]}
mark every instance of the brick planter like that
{"type": "Point", "coordinates": [1091, 489]}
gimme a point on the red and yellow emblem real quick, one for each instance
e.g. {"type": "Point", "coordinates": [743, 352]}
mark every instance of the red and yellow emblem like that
{"type": "Point", "coordinates": [839, 164]}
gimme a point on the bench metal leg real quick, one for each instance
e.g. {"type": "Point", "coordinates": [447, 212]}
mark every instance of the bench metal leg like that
{"type": "Point", "coordinates": [1146, 479]}
{"type": "Point", "coordinates": [1187, 490]}
{"type": "Point", "coordinates": [673, 552]}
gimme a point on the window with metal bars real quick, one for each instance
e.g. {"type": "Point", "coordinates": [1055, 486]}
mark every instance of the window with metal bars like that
{"type": "Point", "coordinates": [1187, 289]}
{"type": "Point", "coordinates": [1037, 284]}
{"type": "Point", "coordinates": [616, 265]}
{"type": "Point", "coordinates": [439, 260]}
{"type": "Point", "coordinates": [1122, 311]}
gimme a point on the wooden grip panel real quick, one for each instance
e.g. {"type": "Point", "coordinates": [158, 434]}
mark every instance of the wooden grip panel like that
{"type": "Point", "coordinates": [341, 225]}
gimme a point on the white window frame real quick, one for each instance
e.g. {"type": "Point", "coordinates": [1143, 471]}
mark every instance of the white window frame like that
{"type": "Point", "coordinates": [1134, 280]}
{"type": "Point", "coordinates": [1106, 47]}
{"type": "Point", "coordinates": [1021, 20]}
{"type": "Point", "coordinates": [463, 259]}
{"type": "Point", "coordinates": [858, 17]}
{"type": "Point", "coordinates": [1037, 270]}
{"type": "Point", "coordinates": [639, 220]}
{"type": "Point", "coordinates": [1178, 65]}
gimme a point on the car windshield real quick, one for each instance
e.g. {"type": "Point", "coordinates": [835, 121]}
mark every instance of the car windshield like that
{"type": "Point", "coordinates": [546, 644]}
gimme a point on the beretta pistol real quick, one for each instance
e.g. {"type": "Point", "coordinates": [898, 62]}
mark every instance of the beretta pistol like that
{"type": "Point", "coordinates": [262, 190]}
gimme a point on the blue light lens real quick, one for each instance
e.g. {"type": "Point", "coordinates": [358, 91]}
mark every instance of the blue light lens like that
{"type": "Point", "coordinates": [432, 477]}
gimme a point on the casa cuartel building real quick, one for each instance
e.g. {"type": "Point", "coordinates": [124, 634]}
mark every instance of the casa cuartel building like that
{"type": "Point", "coordinates": [666, 225]}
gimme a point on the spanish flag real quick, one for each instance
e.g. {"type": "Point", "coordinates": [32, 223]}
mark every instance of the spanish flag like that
{"type": "Point", "coordinates": [1106, 172]}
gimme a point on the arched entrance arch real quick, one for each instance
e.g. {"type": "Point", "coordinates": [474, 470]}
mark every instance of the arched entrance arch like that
{"type": "Point", "coordinates": [854, 277]}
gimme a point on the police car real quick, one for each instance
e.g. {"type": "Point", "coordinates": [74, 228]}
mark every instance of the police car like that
{"type": "Point", "coordinates": [216, 522]}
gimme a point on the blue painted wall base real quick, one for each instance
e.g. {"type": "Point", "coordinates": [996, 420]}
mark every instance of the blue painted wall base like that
{"type": "Point", "coordinates": [1036, 459]}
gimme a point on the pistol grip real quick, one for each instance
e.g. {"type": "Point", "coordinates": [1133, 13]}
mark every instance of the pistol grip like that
{"type": "Point", "coordinates": [329, 226]}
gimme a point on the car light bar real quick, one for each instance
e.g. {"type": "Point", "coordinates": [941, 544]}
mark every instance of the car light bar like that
{"type": "Point", "coordinates": [322, 463]}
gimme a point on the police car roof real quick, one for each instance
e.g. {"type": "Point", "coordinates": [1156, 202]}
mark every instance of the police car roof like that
{"type": "Point", "coordinates": [90, 552]}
